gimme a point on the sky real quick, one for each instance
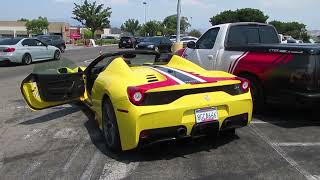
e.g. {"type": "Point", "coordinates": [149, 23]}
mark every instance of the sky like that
{"type": "Point", "coordinates": [306, 11]}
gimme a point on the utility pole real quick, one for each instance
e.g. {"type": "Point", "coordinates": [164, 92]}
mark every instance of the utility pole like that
{"type": "Point", "coordinates": [145, 11]}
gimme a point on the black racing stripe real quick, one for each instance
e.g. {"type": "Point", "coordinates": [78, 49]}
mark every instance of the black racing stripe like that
{"type": "Point", "coordinates": [184, 78]}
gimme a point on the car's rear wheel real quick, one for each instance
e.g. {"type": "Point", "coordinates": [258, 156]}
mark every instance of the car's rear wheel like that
{"type": "Point", "coordinates": [110, 126]}
{"type": "Point", "coordinates": [26, 59]}
{"type": "Point", "coordinates": [62, 49]}
{"type": "Point", "coordinates": [57, 55]}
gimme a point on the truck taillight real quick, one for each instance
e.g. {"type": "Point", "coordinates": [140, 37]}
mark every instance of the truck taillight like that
{"type": "Point", "coordinates": [136, 95]}
{"type": "Point", "coordinates": [9, 50]}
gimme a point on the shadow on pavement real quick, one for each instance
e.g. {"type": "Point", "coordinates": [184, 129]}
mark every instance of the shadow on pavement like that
{"type": "Point", "coordinates": [51, 116]}
{"type": "Point", "coordinates": [289, 117]}
{"type": "Point", "coordinates": [163, 151]}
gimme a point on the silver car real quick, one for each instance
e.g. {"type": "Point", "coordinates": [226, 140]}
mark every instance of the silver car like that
{"type": "Point", "coordinates": [26, 50]}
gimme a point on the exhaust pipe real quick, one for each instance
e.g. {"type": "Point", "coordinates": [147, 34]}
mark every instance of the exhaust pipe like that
{"type": "Point", "coordinates": [181, 132]}
{"type": "Point", "coordinates": [227, 123]}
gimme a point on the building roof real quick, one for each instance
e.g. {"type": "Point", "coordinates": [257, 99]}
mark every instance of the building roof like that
{"type": "Point", "coordinates": [12, 23]}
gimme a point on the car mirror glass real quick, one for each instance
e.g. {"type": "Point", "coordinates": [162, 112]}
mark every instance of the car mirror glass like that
{"type": "Point", "coordinates": [191, 45]}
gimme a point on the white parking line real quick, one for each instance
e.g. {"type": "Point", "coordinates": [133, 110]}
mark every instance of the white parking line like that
{"type": "Point", "coordinates": [72, 156]}
{"type": "Point", "coordinates": [115, 170]}
{"type": "Point", "coordinates": [1, 160]}
{"type": "Point", "coordinates": [317, 177]}
{"type": "Point", "coordinates": [31, 169]}
{"type": "Point", "coordinates": [88, 61]}
{"type": "Point", "coordinates": [89, 170]}
{"type": "Point", "coordinates": [288, 144]}
{"type": "Point", "coordinates": [283, 154]}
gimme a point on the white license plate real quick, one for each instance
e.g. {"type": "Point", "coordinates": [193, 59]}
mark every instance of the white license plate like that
{"type": "Point", "coordinates": [206, 115]}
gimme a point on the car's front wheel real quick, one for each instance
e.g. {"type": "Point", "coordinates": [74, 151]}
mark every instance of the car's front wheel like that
{"type": "Point", "coordinates": [26, 59]}
{"type": "Point", "coordinates": [110, 126]}
{"type": "Point", "coordinates": [57, 55]}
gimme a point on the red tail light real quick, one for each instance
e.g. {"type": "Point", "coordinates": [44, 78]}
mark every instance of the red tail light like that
{"type": "Point", "coordinates": [245, 84]}
{"type": "Point", "coordinates": [9, 50]}
{"type": "Point", "coordinates": [180, 52]}
{"type": "Point", "coordinates": [136, 95]}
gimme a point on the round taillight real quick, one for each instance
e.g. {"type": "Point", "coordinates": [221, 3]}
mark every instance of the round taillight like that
{"type": "Point", "coordinates": [245, 85]}
{"type": "Point", "coordinates": [135, 95]}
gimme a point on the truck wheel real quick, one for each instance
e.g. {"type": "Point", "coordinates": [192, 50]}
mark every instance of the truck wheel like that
{"type": "Point", "coordinates": [26, 59]}
{"type": "Point", "coordinates": [110, 127]}
{"type": "Point", "coordinates": [256, 92]}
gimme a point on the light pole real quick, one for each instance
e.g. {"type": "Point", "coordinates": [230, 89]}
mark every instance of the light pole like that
{"type": "Point", "coordinates": [178, 45]}
{"type": "Point", "coordinates": [145, 11]}
{"type": "Point", "coordinates": [190, 22]}
{"type": "Point", "coordinates": [178, 20]}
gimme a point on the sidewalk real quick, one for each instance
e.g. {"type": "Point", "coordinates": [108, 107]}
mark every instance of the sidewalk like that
{"type": "Point", "coordinates": [74, 47]}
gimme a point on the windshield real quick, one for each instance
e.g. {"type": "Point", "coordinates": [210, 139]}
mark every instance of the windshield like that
{"type": "Point", "coordinates": [152, 39]}
{"type": "Point", "coordinates": [12, 41]}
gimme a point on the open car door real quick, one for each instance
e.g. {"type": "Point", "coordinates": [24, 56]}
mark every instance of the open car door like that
{"type": "Point", "coordinates": [42, 91]}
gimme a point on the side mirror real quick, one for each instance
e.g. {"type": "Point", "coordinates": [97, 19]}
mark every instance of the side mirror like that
{"type": "Point", "coordinates": [191, 45]}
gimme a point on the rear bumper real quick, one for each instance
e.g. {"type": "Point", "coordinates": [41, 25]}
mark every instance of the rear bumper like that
{"type": "Point", "coordinates": [179, 114]}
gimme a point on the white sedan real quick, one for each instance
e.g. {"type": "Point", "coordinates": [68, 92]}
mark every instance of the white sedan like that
{"type": "Point", "coordinates": [26, 50]}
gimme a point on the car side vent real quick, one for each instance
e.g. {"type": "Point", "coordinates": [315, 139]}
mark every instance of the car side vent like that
{"type": "Point", "coordinates": [152, 78]}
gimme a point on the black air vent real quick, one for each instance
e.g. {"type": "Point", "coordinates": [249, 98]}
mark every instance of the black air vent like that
{"type": "Point", "coordinates": [152, 78]}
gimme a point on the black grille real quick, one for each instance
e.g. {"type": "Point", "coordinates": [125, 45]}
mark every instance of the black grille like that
{"type": "Point", "coordinates": [152, 78]}
{"type": "Point", "coordinates": [166, 97]}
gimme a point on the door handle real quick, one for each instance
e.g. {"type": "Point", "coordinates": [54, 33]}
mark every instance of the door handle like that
{"type": "Point", "coordinates": [210, 57]}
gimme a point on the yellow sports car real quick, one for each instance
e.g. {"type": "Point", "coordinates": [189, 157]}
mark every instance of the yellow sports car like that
{"type": "Point", "coordinates": [138, 102]}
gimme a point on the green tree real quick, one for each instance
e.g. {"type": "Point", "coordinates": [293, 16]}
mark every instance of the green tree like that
{"type": "Point", "coordinates": [131, 26]}
{"type": "Point", "coordinates": [92, 15]}
{"type": "Point", "coordinates": [170, 24]}
{"type": "Point", "coordinates": [295, 29]}
{"type": "Point", "coordinates": [23, 19]}
{"type": "Point", "coordinates": [195, 33]}
{"type": "Point", "coordinates": [36, 26]}
{"type": "Point", "coordinates": [239, 15]}
{"type": "Point", "coordinates": [152, 28]}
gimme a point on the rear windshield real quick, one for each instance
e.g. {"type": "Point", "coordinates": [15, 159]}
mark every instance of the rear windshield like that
{"type": "Point", "coordinates": [242, 35]}
{"type": "Point", "coordinates": [125, 38]}
{"type": "Point", "coordinates": [11, 41]}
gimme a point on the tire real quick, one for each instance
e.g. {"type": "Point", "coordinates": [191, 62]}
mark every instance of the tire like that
{"type": "Point", "coordinates": [110, 127]}
{"type": "Point", "coordinates": [256, 92]}
{"type": "Point", "coordinates": [62, 49]}
{"type": "Point", "coordinates": [57, 55]}
{"type": "Point", "coordinates": [26, 59]}
{"type": "Point", "coordinates": [157, 49]}
{"type": "Point", "coordinates": [228, 132]}
{"type": "Point", "coordinates": [120, 47]}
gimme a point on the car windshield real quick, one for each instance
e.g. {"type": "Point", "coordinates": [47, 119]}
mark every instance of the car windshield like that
{"type": "Point", "coordinates": [11, 41]}
{"type": "Point", "coordinates": [51, 67]}
{"type": "Point", "coordinates": [153, 39]}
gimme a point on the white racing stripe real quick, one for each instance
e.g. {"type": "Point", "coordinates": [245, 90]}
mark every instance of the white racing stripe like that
{"type": "Point", "coordinates": [169, 75]}
{"type": "Point", "coordinates": [186, 74]}
{"type": "Point", "coordinates": [283, 154]}
{"type": "Point", "coordinates": [86, 175]}
{"type": "Point", "coordinates": [237, 61]}
{"type": "Point", "coordinates": [289, 144]}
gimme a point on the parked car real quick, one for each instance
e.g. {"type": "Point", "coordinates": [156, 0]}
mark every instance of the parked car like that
{"type": "Point", "coordinates": [27, 50]}
{"type": "Point", "coordinates": [187, 39]}
{"type": "Point", "coordinates": [281, 73]}
{"type": "Point", "coordinates": [159, 44]}
{"type": "Point", "coordinates": [137, 104]}
{"type": "Point", "coordinates": [53, 40]}
{"type": "Point", "coordinates": [127, 42]}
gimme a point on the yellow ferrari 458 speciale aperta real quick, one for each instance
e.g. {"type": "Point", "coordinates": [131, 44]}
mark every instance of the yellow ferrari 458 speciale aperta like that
{"type": "Point", "coordinates": [138, 102]}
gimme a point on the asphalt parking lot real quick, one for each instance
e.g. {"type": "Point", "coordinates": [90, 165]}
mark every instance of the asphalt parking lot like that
{"type": "Point", "coordinates": [64, 143]}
